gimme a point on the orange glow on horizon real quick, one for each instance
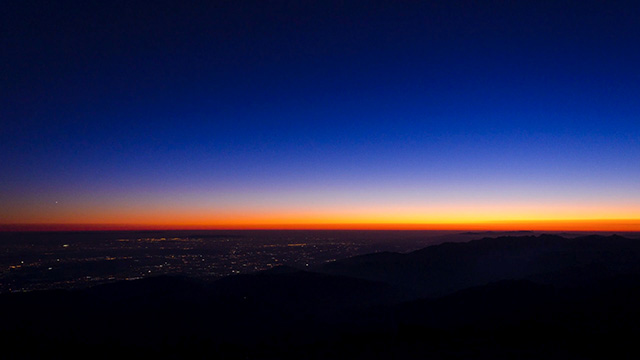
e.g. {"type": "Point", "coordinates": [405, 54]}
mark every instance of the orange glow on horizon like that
{"type": "Point", "coordinates": [626, 225]}
{"type": "Point", "coordinates": [453, 216]}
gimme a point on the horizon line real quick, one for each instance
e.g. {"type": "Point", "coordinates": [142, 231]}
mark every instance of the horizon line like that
{"type": "Point", "coordinates": [627, 225]}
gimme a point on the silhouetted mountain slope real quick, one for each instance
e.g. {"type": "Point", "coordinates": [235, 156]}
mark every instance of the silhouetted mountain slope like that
{"type": "Point", "coordinates": [489, 305]}
{"type": "Point", "coordinates": [239, 309]}
{"type": "Point", "coordinates": [442, 269]}
{"type": "Point", "coordinates": [306, 289]}
{"type": "Point", "coordinates": [521, 318]}
{"type": "Point", "coordinates": [154, 289]}
{"type": "Point", "coordinates": [531, 297]}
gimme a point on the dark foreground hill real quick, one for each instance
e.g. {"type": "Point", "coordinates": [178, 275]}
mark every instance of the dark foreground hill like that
{"type": "Point", "coordinates": [511, 297]}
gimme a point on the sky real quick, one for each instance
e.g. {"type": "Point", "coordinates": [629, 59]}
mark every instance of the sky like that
{"type": "Point", "coordinates": [320, 114]}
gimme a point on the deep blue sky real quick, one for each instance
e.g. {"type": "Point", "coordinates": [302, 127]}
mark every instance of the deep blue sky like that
{"type": "Point", "coordinates": [224, 108]}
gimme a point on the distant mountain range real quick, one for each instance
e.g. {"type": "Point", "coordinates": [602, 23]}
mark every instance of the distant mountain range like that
{"type": "Point", "coordinates": [506, 297]}
{"type": "Point", "coordinates": [549, 259]}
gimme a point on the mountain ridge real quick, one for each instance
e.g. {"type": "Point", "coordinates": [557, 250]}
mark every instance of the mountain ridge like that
{"type": "Point", "coordinates": [291, 313]}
